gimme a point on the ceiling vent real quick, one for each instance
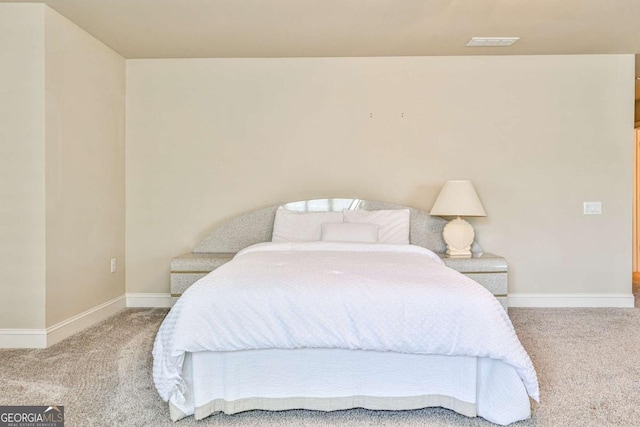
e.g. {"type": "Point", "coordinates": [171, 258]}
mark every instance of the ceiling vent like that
{"type": "Point", "coordinates": [492, 41]}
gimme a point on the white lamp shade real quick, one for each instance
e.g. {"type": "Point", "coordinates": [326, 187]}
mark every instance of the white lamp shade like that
{"type": "Point", "coordinates": [458, 198]}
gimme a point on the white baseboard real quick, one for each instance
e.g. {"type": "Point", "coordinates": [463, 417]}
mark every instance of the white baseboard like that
{"type": "Point", "coordinates": [66, 328]}
{"type": "Point", "coordinates": [515, 300]}
{"type": "Point", "coordinates": [572, 300]}
{"type": "Point", "coordinates": [23, 338]}
{"type": "Point", "coordinates": [149, 300]}
{"type": "Point", "coordinates": [43, 338]}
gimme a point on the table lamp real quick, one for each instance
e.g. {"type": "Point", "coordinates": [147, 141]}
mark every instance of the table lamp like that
{"type": "Point", "coordinates": [458, 198]}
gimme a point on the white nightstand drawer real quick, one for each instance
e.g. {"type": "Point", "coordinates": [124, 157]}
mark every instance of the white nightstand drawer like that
{"type": "Point", "coordinates": [181, 281]}
{"type": "Point", "coordinates": [489, 270]}
{"type": "Point", "coordinates": [496, 283]}
{"type": "Point", "coordinates": [189, 268]}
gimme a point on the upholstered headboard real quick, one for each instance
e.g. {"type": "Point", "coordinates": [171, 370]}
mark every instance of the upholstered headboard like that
{"type": "Point", "coordinates": [257, 226]}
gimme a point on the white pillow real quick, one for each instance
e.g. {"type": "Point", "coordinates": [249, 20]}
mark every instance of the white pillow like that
{"type": "Point", "coordinates": [291, 226]}
{"type": "Point", "coordinates": [394, 224]}
{"type": "Point", "coordinates": [346, 232]}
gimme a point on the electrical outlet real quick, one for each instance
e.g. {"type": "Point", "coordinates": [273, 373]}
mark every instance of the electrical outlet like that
{"type": "Point", "coordinates": [592, 208]}
{"type": "Point", "coordinates": [114, 265]}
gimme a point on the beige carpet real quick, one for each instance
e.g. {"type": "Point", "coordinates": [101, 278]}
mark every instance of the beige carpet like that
{"type": "Point", "coordinates": [587, 362]}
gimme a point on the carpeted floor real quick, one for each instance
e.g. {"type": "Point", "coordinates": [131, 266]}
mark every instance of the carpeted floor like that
{"type": "Point", "coordinates": [586, 359]}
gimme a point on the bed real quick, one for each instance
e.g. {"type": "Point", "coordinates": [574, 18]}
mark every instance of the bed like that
{"type": "Point", "coordinates": [342, 308]}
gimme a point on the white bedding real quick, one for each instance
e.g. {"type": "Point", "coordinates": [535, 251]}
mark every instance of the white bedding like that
{"type": "Point", "coordinates": [376, 297]}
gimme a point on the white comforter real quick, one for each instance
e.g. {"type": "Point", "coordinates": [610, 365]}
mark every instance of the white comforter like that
{"type": "Point", "coordinates": [377, 297]}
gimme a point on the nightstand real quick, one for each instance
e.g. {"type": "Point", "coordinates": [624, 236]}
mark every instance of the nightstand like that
{"type": "Point", "coordinates": [188, 268]}
{"type": "Point", "coordinates": [487, 269]}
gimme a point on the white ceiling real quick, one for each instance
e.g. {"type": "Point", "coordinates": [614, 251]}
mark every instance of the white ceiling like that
{"type": "Point", "coordinates": [302, 28]}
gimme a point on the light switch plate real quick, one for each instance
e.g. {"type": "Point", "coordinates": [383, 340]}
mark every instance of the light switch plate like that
{"type": "Point", "coordinates": [114, 265]}
{"type": "Point", "coordinates": [592, 208]}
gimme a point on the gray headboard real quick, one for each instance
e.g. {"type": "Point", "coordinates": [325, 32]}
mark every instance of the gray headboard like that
{"type": "Point", "coordinates": [257, 226]}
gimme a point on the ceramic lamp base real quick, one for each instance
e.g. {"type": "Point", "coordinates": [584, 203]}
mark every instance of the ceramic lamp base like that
{"type": "Point", "coordinates": [458, 234]}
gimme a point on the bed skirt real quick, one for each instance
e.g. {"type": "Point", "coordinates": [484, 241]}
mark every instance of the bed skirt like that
{"type": "Point", "coordinates": [335, 379]}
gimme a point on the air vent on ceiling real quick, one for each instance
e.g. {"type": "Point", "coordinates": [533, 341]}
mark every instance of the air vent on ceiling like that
{"type": "Point", "coordinates": [492, 41]}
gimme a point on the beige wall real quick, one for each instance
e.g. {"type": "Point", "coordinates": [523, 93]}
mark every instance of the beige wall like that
{"type": "Point", "coordinates": [61, 168]}
{"type": "Point", "coordinates": [85, 93]}
{"type": "Point", "coordinates": [22, 192]}
{"type": "Point", "coordinates": [208, 139]}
